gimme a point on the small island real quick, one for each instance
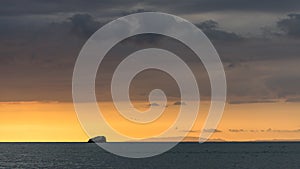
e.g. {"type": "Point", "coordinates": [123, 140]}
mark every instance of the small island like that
{"type": "Point", "coordinates": [98, 139]}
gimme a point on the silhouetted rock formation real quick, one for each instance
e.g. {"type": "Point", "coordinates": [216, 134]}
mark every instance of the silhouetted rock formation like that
{"type": "Point", "coordinates": [98, 139]}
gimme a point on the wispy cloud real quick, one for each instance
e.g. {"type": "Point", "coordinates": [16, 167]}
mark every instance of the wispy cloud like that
{"type": "Point", "coordinates": [179, 103]}
{"type": "Point", "coordinates": [186, 139]}
{"type": "Point", "coordinates": [205, 130]}
{"type": "Point", "coordinates": [263, 130]}
{"type": "Point", "coordinates": [293, 100]}
{"type": "Point", "coordinates": [251, 101]}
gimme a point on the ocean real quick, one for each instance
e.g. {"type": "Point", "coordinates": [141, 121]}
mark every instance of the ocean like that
{"type": "Point", "coordinates": [183, 156]}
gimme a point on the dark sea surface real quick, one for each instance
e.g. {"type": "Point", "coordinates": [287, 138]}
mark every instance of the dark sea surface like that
{"type": "Point", "coordinates": [183, 156]}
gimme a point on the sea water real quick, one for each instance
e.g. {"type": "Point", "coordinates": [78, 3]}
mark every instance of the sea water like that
{"type": "Point", "coordinates": [183, 156]}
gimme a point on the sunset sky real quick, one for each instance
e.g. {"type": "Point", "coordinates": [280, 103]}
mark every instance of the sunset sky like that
{"type": "Point", "coordinates": [257, 41]}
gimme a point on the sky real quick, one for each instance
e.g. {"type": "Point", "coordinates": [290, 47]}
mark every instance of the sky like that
{"type": "Point", "coordinates": [257, 41]}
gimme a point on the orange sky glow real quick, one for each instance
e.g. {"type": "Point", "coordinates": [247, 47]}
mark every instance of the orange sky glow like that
{"type": "Point", "coordinates": [57, 122]}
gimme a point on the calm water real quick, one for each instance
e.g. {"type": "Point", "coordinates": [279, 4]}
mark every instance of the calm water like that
{"type": "Point", "coordinates": [183, 156]}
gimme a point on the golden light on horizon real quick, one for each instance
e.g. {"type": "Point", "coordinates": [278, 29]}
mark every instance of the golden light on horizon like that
{"type": "Point", "coordinates": [39, 121]}
{"type": "Point", "coordinates": [56, 121]}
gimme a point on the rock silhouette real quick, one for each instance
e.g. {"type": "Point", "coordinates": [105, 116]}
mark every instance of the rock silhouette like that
{"type": "Point", "coordinates": [98, 139]}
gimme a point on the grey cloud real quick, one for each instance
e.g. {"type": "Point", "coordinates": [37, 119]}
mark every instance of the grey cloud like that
{"type": "Point", "coordinates": [114, 7]}
{"type": "Point", "coordinates": [251, 101]}
{"type": "Point", "coordinates": [147, 39]}
{"type": "Point", "coordinates": [45, 7]}
{"type": "Point", "coordinates": [258, 49]}
{"type": "Point", "coordinates": [135, 11]}
{"type": "Point", "coordinates": [42, 51]}
{"type": "Point", "coordinates": [284, 85]}
{"type": "Point", "coordinates": [38, 60]}
{"type": "Point", "coordinates": [281, 43]}
{"type": "Point", "coordinates": [228, 5]}
{"type": "Point", "coordinates": [293, 99]}
{"type": "Point", "coordinates": [290, 25]}
{"type": "Point", "coordinates": [212, 30]}
{"type": "Point", "coordinates": [84, 25]}
{"type": "Point", "coordinates": [48, 43]}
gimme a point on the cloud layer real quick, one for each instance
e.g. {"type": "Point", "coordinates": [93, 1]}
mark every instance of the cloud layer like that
{"type": "Point", "coordinates": [40, 40]}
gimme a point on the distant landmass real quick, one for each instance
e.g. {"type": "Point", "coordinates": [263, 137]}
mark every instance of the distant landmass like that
{"type": "Point", "coordinates": [98, 139]}
{"type": "Point", "coordinates": [102, 139]}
